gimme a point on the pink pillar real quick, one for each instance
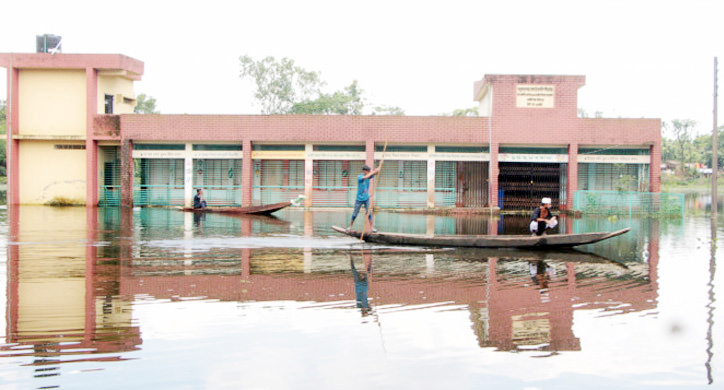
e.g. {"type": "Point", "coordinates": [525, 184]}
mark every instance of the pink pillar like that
{"type": "Point", "coordinates": [12, 145]}
{"type": "Point", "coordinates": [494, 172]}
{"type": "Point", "coordinates": [247, 174]}
{"type": "Point", "coordinates": [655, 167]}
{"type": "Point", "coordinates": [572, 175]}
{"type": "Point", "coordinates": [370, 153]}
{"type": "Point", "coordinates": [91, 145]}
{"type": "Point", "coordinates": [91, 257]}
{"type": "Point", "coordinates": [127, 173]}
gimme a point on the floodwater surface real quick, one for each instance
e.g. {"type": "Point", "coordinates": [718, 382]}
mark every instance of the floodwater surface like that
{"type": "Point", "coordinates": [157, 298]}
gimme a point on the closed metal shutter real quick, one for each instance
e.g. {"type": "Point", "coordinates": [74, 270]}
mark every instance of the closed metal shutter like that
{"type": "Point", "coordinates": [109, 188]}
{"type": "Point", "coordinates": [220, 179]}
{"type": "Point", "coordinates": [523, 185]}
{"type": "Point", "coordinates": [277, 181]}
{"type": "Point", "coordinates": [158, 182]}
{"type": "Point", "coordinates": [613, 177]}
{"type": "Point", "coordinates": [445, 183]}
{"type": "Point", "coordinates": [402, 184]}
{"type": "Point", "coordinates": [335, 183]}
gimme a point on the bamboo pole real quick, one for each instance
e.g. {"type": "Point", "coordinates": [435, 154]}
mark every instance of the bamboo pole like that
{"type": "Point", "coordinates": [373, 193]}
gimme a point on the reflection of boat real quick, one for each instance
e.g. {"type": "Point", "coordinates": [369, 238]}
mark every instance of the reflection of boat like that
{"type": "Point", "coordinates": [485, 241]}
{"type": "Point", "coordinates": [564, 254]}
{"type": "Point", "coordinates": [264, 218]}
{"type": "Point", "coordinates": [258, 210]}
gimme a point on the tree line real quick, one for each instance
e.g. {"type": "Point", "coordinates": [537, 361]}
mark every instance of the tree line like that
{"type": "Point", "coordinates": [682, 144]}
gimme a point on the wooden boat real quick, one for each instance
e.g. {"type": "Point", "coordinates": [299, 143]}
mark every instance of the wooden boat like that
{"type": "Point", "coordinates": [484, 241]}
{"type": "Point", "coordinates": [257, 210]}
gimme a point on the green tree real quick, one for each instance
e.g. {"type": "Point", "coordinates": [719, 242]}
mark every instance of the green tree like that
{"type": "Point", "coordinates": [145, 105]}
{"type": "Point", "coordinates": [284, 88]}
{"type": "Point", "coordinates": [3, 114]}
{"type": "Point", "coordinates": [682, 131]}
{"type": "Point", "coordinates": [703, 150]}
{"type": "Point", "coordinates": [472, 111]}
{"type": "Point", "coordinates": [387, 110]}
{"type": "Point", "coordinates": [280, 85]}
{"type": "Point", "coordinates": [349, 101]}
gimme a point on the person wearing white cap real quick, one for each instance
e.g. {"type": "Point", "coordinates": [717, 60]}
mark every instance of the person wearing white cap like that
{"type": "Point", "coordinates": [542, 218]}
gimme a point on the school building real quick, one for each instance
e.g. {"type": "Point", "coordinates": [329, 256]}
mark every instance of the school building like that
{"type": "Point", "coordinates": [73, 138]}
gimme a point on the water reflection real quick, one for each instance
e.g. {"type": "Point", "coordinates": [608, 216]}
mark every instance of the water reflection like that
{"type": "Point", "coordinates": [72, 290]}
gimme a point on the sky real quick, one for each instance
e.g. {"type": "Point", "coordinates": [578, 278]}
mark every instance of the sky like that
{"type": "Point", "coordinates": [641, 58]}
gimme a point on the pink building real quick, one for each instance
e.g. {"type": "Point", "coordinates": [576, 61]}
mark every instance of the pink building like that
{"type": "Point", "coordinates": [528, 143]}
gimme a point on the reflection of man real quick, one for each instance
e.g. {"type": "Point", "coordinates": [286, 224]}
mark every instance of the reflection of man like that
{"type": "Point", "coordinates": [198, 218]}
{"type": "Point", "coordinates": [541, 273]}
{"type": "Point", "coordinates": [361, 282]}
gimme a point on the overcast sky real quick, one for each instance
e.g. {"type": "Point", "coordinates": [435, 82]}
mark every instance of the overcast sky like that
{"type": "Point", "coordinates": [652, 59]}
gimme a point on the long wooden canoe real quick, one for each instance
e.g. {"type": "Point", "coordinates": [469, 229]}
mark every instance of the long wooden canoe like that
{"type": "Point", "coordinates": [484, 241]}
{"type": "Point", "coordinates": [258, 210]}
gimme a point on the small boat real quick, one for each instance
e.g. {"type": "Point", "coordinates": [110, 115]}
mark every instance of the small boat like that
{"type": "Point", "coordinates": [484, 241]}
{"type": "Point", "coordinates": [257, 210]}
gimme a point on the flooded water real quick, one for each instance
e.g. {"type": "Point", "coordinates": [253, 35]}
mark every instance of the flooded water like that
{"type": "Point", "coordinates": [158, 298]}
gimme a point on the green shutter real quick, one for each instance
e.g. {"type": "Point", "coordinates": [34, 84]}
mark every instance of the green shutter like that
{"type": "Point", "coordinates": [158, 182]}
{"type": "Point", "coordinates": [277, 181]}
{"type": "Point", "coordinates": [220, 179]}
{"type": "Point", "coordinates": [403, 184]}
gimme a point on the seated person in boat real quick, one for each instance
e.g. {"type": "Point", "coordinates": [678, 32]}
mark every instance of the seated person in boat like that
{"type": "Point", "coordinates": [199, 201]}
{"type": "Point", "coordinates": [363, 194]}
{"type": "Point", "coordinates": [542, 219]}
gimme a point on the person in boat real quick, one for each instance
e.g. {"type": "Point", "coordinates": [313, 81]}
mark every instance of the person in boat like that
{"type": "Point", "coordinates": [363, 195]}
{"type": "Point", "coordinates": [199, 201]}
{"type": "Point", "coordinates": [542, 218]}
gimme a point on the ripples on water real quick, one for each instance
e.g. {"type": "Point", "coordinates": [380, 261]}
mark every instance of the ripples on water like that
{"type": "Point", "coordinates": [159, 298]}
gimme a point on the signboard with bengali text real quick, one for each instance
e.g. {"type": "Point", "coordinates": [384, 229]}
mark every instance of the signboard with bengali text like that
{"type": "Point", "coordinates": [614, 159]}
{"type": "Point", "coordinates": [533, 158]}
{"type": "Point", "coordinates": [534, 96]}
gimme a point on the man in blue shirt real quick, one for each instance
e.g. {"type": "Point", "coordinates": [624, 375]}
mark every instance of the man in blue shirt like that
{"type": "Point", "coordinates": [363, 194]}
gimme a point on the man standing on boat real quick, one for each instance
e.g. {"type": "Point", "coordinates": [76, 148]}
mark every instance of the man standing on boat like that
{"type": "Point", "coordinates": [199, 202]}
{"type": "Point", "coordinates": [363, 194]}
{"type": "Point", "coordinates": [542, 218]}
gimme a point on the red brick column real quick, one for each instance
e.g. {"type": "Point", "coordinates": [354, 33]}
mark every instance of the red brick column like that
{"type": "Point", "coordinates": [127, 173]}
{"type": "Point", "coordinates": [91, 146]}
{"type": "Point", "coordinates": [572, 175]}
{"type": "Point", "coordinates": [247, 173]}
{"type": "Point", "coordinates": [655, 168]}
{"type": "Point", "coordinates": [494, 172]}
{"type": "Point", "coordinates": [12, 146]}
{"type": "Point", "coordinates": [370, 153]}
{"type": "Point", "coordinates": [91, 258]}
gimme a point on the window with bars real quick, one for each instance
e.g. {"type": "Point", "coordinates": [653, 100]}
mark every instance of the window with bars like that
{"type": "Point", "coordinates": [613, 177]}
{"type": "Point", "coordinates": [277, 180]}
{"type": "Point", "coordinates": [402, 184]}
{"type": "Point", "coordinates": [217, 173]}
{"type": "Point", "coordinates": [109, 191]}
{"type": "Point", "coordinates": [335, 182]}
{"type": "Point", "coordinates": [158, 182]}
{"type": "Point", "coordinates": [220, 179]}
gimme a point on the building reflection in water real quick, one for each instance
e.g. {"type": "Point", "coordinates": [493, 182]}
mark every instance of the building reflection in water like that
{"type": "Point", "coordinates": [70, 290]}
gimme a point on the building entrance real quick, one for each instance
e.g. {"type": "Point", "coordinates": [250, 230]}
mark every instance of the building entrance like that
{"type": "Point", "coordinates": [522, 185]}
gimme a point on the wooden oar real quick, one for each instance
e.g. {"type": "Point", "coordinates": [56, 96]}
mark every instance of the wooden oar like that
{"type": "Point", "coordinates": [373, 193]}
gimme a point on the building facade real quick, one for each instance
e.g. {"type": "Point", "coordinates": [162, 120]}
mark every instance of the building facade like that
{"type": "Point", "coordinates": [72, 136]}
